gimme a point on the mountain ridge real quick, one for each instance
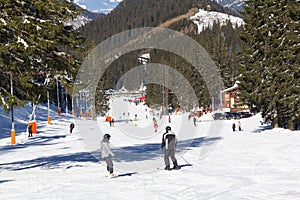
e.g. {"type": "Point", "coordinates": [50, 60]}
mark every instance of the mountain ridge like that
{"type": "Point", "coordinates": [106, 6]}
{"type": "Point", "coordinates": [236, 5]}
{"type": "Point", "coordinates": [129, 14]}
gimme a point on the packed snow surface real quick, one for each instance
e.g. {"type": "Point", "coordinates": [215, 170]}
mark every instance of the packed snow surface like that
{"type": "Point", "coordinates": [216, 163]}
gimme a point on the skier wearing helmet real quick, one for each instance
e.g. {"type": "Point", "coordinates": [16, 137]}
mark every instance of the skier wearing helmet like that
{"type": "Point", "coordinates": [169, 146]}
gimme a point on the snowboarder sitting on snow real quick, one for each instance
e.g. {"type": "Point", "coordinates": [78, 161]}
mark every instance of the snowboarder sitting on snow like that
{"type": "Point", "coordinates": [29, 130]}
{"type": "Point", "coordinates": [106, 153]}
{"type": "Point", "coordinates": [169, 145]}
{"type": "Point", "coordinates": [72, 127]}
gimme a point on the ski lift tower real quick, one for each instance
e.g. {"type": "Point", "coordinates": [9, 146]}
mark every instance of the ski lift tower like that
{"type": "Point", "coordinates": [144, 59]}
{"type": "Point", "coordinates": [46, 84]}
{"type": "Point", "coordinates": [12, 132]}
{"type": "Point", "coordinates": [57, 91]}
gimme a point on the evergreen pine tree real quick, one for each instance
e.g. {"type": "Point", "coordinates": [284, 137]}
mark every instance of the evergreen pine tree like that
{"type": "Point", "coordinates": [270, 68]}
{"type": "Point", "coordinates": [35, 37]}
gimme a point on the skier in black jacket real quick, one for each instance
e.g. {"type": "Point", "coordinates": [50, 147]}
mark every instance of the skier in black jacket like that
{"type": "Point", "coordinates": [169, 146]}
{"type": "Point", "coordinates": [72, 125]}
{"type": "Point", "coordinates": [29, 130]}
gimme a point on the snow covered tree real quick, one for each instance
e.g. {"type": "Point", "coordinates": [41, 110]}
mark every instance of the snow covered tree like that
{"type": "Point", "coordinates": [270, 70]}
{"type": "Point", "coordinates": [101, 102]}
{"type": "Point", "coordinates": [35, 37]}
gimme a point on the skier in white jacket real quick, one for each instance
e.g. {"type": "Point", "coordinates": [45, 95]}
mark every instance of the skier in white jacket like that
{"type": "Point", "coordinates": [106, 153]}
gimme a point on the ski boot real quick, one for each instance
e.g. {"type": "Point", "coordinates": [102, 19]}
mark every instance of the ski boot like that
{"type": "Point", "coordinates": [175, 165]}
{"type": "Point", "coordinates": [167, 167]}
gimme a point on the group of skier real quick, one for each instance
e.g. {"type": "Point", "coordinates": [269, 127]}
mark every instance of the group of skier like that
{"type": "Point", "coordinates": [239, 125]}
{"type": "Point", "coordinates": [168, 145]}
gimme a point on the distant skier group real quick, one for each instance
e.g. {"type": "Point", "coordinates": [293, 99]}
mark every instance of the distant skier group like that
{"type": "Point", "coordinates": [239, 125]}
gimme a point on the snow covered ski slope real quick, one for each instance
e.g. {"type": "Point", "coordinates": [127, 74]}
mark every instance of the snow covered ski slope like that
{"type": "Point", "coordinates": [216, 163]}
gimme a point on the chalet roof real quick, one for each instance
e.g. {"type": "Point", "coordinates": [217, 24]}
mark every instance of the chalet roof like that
{"type": "Point", "coordinates": [235, 86]}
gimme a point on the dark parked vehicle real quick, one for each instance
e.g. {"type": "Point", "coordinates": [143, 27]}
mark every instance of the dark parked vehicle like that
{"type": "Point", "coordinates": [236, 115]}
{"type": "Point", "coordinates": [246, 114]}
{"type": "Point", "coordinates": [232, 115]}
{"type": "Point", "coordinates": [218, 116]}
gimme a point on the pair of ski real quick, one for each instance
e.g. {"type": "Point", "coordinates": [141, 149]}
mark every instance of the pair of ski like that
{"type": "Point", "coordinates": [112, 176]}
{"type": "Point", "coordinates": [162, 168]}
{"type": "Point", "coordinates": [120, 175]}
{"type": "Point", "coordinates": [179, 167]}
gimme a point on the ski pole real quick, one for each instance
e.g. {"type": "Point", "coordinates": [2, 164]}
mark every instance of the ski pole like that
{"type": "Point", "coordinates": [184, 159]}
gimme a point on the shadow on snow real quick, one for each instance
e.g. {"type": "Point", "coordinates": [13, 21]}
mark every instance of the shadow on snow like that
{"type": "Point", "coordinates": [37, 140]}
{"type": "Point", "coordinates": [263, 128]}
{"type": "Point", "coordinates": [4, 181]}
{"type": "Point", "coordinates": [153, 150]}
{"type": "Point", "coordinates": [51, 162]}
{"type": "Point", "coordinates": [124, 154]}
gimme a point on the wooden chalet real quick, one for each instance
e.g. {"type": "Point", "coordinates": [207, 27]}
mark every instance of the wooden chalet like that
{"type": "Point", "coordinates": [230, 99]}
